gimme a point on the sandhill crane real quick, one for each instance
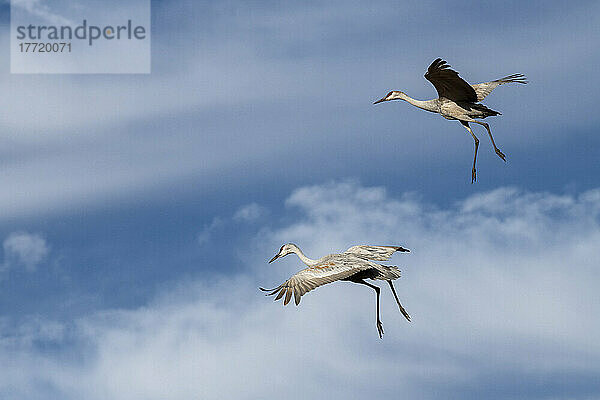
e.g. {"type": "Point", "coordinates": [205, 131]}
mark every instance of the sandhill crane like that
{"type": "Point", "coordinates": [353, 265]}
{"type": "Point", "coordinates": [458, 100]}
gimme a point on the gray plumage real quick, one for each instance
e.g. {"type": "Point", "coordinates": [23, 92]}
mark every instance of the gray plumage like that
{"type": "Point", "coordinates": [354, 265]}
{"type": "Point", "coordinates": [458, 100]}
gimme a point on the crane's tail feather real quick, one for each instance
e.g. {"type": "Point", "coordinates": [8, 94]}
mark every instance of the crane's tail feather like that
{"type": "Point", "coordinates": [486, 112]}
{"type": "Point", "coordinates": [514, 78]}
{"type": "Point", "coordinates": [390, 272]}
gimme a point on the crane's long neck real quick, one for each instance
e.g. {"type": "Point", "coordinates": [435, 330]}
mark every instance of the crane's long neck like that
{"type": "Point", "coordinates": [305, 260]}
{"type": "Point", "coordinates": [427, 105]}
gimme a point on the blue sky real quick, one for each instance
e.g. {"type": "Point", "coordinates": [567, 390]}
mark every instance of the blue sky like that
{"type": "Point", "coordinates": [138, 211]}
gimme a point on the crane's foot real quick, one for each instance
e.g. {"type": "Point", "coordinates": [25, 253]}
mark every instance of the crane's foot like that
{"type": "Point", "coordinates": [473, 176]}
{"type": "Point", "coordinates": [501, 155]}
{"type": "Point", "coordinates": [380, 329]}
{"type": "Point", "coordinates": [403, 311]}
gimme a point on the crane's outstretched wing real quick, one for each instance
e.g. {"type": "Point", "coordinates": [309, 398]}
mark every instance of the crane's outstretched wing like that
{"type": "Point", "coordinates": [448, 84]}
{"type": "Point", "coordinates": [377, 253]}
{"type": "Point", "coordinates": [311, 278]}
{"type": "Point", "coordinates": [485, 88]}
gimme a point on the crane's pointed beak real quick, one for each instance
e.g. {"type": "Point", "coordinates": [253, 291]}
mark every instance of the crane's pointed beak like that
{"type": "Point", "coordinates": [379, 101]}
{"type": "Point", "coordinates": [274, 258]}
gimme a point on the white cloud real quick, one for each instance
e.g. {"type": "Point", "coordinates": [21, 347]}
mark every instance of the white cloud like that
{"type": "Point", "coordinates": [22, 249]}
{"type": "Point", "coordinates": [502, 284]}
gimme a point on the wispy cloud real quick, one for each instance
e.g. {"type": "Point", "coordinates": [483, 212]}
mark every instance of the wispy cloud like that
{"type": "Point", "coordinates": [500, 284]}
{"type": "Point", "coordinates": [24, 250]}
{"type": "Point", "coordinates": [41, 9]}
{"type": "Point", "coordinates": [207, 231]}
{"type": "Point", "coordinates": [250, 213]}
{"type": "Point", "coordinates": [294, 71]}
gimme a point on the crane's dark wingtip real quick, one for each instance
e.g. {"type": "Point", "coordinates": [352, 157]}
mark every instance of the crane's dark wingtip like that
{"type": "Point", "coordinates": [437, 65]}
{"type": "Point", "coordinates": [271, 292]}
{"type": "Point", "coordinates": [514, 78]}
{"type": "Point", "coordinates": [402, 249]}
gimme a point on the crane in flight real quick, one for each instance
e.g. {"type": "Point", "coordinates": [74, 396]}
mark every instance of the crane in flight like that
{"type": "Point", "coordinates": [354, 265]}
{"type": "Point", "coordinates": [458, 100]}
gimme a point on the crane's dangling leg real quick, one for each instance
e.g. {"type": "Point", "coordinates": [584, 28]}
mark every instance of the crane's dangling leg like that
{"type": "Point", "coordinates": [467, 127]}
{"type": "Point", "coordinates": [486, 126]}
{"type": "Point", "coordinates": [402, 310]}
{"type": "Point", "coordinates": [379, 324]}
